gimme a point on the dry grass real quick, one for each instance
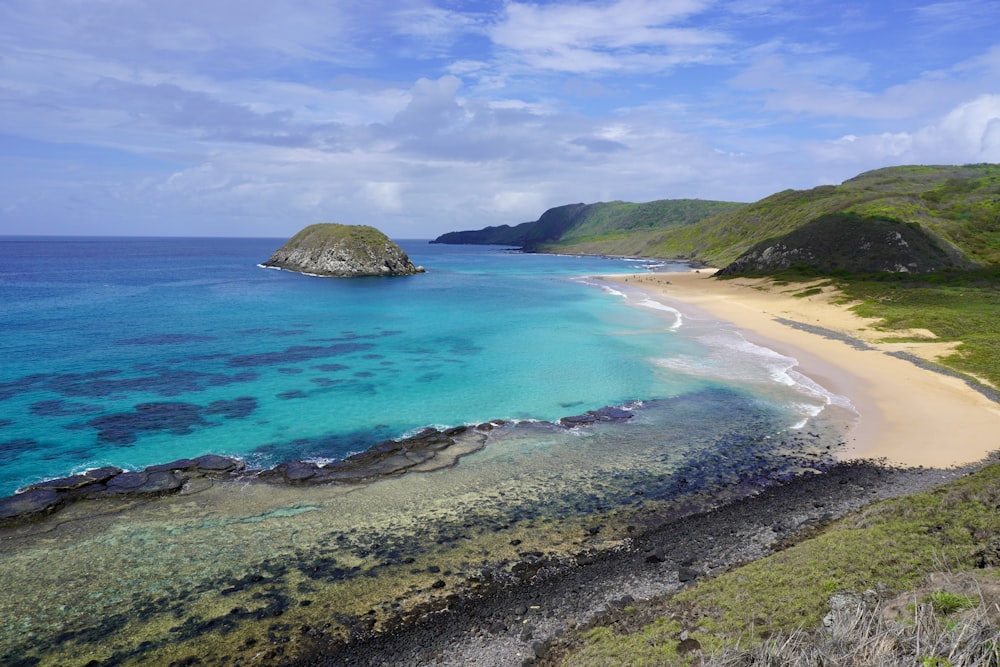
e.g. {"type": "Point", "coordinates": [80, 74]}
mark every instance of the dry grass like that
{"type": "Point", "coordinates": [933, 558]}
{"type": "Point", "coordinates": [926, 638]}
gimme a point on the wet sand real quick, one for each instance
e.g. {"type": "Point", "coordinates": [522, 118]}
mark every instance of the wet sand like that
{"type": "Point", "coordinates": [910, 415]}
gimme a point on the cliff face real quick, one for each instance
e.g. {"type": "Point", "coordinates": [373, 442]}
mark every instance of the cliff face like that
{"type": "Point", "coordinates": [329, 249]}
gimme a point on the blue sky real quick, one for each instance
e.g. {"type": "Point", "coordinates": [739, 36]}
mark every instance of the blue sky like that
{"type": "Point", "coordinates": [256, 118]}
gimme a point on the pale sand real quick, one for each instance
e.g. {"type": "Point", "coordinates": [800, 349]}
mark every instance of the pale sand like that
{"type": "Point", "coordinates": [909, 415]}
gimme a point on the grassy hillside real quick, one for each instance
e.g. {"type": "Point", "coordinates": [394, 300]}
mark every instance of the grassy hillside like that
{"type": "Point", "coordinates": [602, 225]}
{"type": "Point", "coordinates": [889, 548]}
{"type": "Point", "coordinates": [614, 220]}
{"type": "Point", "coordinates": [960, 205]}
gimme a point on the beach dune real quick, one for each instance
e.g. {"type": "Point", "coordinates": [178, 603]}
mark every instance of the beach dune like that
{"type": "Point", "coordinates": [909, 415]}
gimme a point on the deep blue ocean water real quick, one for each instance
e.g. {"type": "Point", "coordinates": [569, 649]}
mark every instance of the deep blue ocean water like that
{"type": "Point", "coordinates": [132, 351]}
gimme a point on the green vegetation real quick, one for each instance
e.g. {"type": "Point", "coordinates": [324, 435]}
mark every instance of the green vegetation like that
{"type": "Point", "coordinates": [849, 242]}
{"type": "Point", "coordinates": [946, 602]}
{"type": "Point", "coordinates": [615, 222]}
{"type": "Point", "coordinates": [603, 228]}
{"type": "Point", "coordinates": [329, 233]}
{"type": "Point", "coordinates": [889, 547]}
{"type": "Point", "coordinates": [961, 308]}
{"type": "Point", "coordinates": [958, 204]}
{"type": "Point", "coordinates": [953, 210]}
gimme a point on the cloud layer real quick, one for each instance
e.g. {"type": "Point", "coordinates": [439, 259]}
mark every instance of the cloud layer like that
{"type": "Point", "coordinates": [421, 117]}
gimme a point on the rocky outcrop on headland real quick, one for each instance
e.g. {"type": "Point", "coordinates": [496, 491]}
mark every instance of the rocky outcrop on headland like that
{"type": "Point", "coordinates": [846, 242]}
{"type": "Point", "coordinates": [329, 249]}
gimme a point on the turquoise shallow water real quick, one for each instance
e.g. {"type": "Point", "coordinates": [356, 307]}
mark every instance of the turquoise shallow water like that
{"type": "Point", "coordinates": [131, 352]}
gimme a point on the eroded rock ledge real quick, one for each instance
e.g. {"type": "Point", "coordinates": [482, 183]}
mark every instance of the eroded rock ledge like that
{"type": "Point", "coordinates": [430, 449]}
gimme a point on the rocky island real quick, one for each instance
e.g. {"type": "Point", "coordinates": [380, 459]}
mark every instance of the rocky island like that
{"type": "Point", "coordinates": [329, 249]}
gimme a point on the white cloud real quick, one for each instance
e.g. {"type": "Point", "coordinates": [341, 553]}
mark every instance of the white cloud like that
{"type": "Point", "coordinates": [955, 14]}
{"type": "Point", "coordinates": [840, 86]}
{"type": "Point", "coordinates": [423, 116]}
{"type": "Point", "coordinates": [434, 25]}
{"type": "Point", "coordinates": [969, 133]}
{"type": "Point", "coordinates": [631, 35]}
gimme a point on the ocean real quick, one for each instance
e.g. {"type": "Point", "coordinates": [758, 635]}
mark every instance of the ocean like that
{"type": "Point", "coordinates": [136, 351]}
{"type": "Point", "coordinates": [131, 352]}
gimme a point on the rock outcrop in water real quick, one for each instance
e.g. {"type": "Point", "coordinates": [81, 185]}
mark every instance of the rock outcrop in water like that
{"type": "Point", "coordinates": [329, 249]}
{"type": "Point", "coordinates": [430, 449]}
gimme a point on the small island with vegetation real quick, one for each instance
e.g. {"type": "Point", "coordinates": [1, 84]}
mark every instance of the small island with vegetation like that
{"type": "Point", "coordinates": [343, 251]}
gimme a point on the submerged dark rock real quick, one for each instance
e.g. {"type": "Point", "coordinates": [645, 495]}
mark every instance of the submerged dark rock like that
{"type": "Point", "coordinates": [345, 251]}
{"type": "Point", "coordinates": [388, 458]}
{"type": "Point", "coordinates": [606, 414]}
{"type": "Point", "coordinates": [429, 449]}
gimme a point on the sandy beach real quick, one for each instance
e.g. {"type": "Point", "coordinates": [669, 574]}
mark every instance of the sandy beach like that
{"type": "Point", "coordinates": [909, 415]}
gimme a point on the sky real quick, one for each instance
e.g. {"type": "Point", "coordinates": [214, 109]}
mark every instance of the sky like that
{"type": "Point", "coordinates": [256, 118]}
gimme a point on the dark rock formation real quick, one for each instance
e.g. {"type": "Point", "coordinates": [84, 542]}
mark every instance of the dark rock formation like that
{"type": "Point", "coordinates": [606, 414]}
{"type": "Point", "coordinates": [330, 249]}
{"type": "Point", "coordinates": [38, 500]}
{"type": "Point", "coordinates": [391, 457]}
{"type": "Point", "coordinates": [429, 449]}
{"type": "Point", "coordinates": [32, 504]}
{"type": "Point", "coordinates": [845, 242]}
{"type": "Point", "coordinates": [550, 227]}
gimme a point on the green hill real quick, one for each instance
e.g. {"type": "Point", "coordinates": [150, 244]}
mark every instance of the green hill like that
{"type": "Point", "coordinates": [601, 228]}
{"type": "Point", "coordinates": [851, 243]}
{"type": "Point", "coordinates": [957, 206]}
{"type": "Point", "coordinates": [951, 216]}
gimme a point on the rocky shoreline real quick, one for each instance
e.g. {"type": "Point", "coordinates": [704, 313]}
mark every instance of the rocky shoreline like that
{"type": "Point", "coordinates": [524, 619]}
{"type": "Point", "coordinates": [274, 563]}
{"type": "Point", "coordinates": [430, 449]}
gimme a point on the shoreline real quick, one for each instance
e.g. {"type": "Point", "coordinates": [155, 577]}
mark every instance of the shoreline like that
{"type": "Point", "coordinates": [427, 450]}
{"type": "Point", "coordinates": [531, 620]}
{"type": "Point", "coordinates": [357, 573]}
{"type": "Point", "coordinates": [906, 410]}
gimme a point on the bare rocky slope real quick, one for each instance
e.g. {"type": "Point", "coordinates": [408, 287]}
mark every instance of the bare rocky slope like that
{"type": "Point", "coordinates": [329, 249]}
